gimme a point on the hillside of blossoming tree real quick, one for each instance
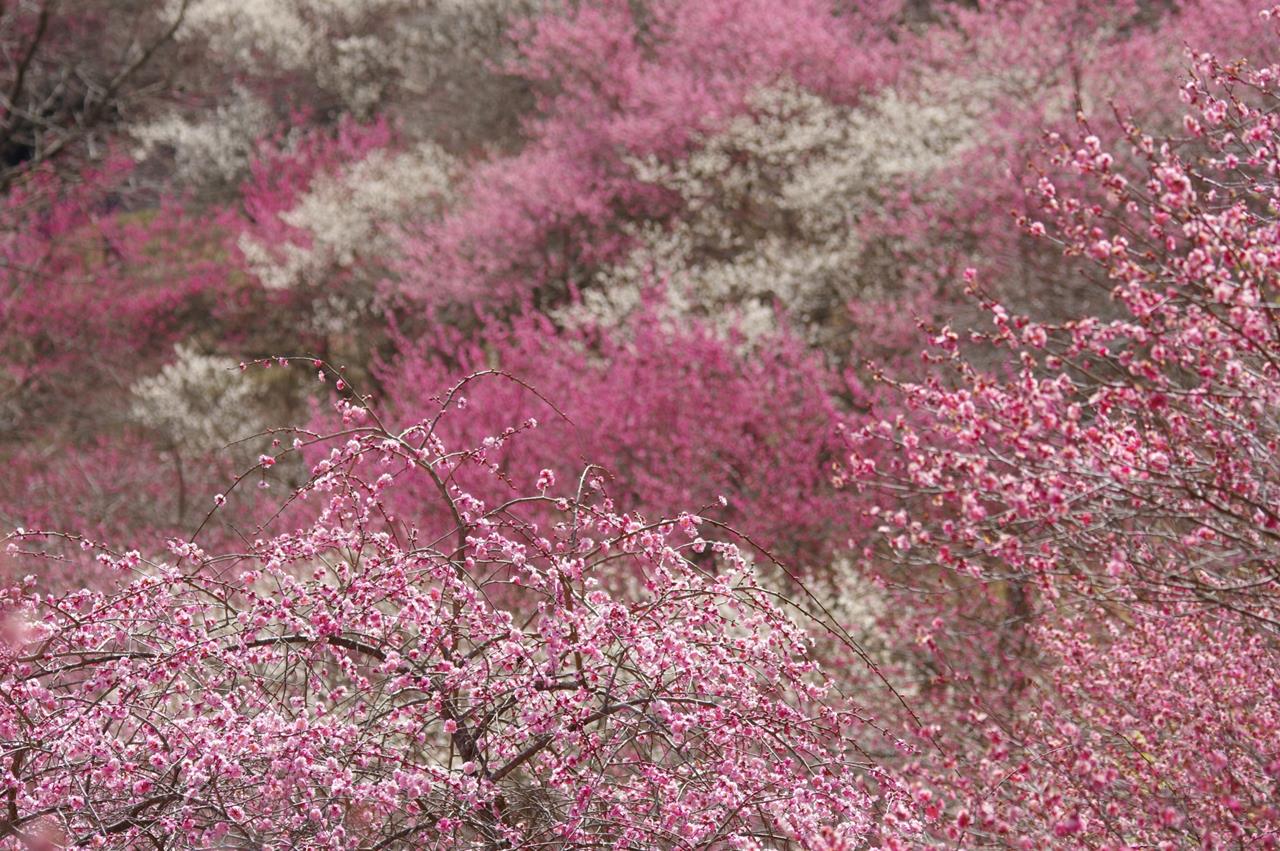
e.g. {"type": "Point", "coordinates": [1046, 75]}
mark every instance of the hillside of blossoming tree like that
{"type": "Point", "coordinates": [640, 424]}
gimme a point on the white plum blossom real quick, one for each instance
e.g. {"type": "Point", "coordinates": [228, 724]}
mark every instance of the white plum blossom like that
{"type": "Point", "coordinates": [201, 402]}
{"type": "Point", "coordinates": [771, 202]}
{"type": "Point", "coordinates": [346, 216]}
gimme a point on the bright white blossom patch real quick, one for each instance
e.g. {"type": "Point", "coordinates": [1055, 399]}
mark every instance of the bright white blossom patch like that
{"type": "Point", "coordinates": [200, 401]}
{"type": "Point", "coordinates": [771, 201]}
{"type": "Point", "coordinates": [215, 146]}
{"type": "Point", "coordinates": [346, 216]}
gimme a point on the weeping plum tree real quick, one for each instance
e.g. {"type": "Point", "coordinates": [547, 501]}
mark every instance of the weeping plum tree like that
{"type": "Point", "coordinates": [364, 680]}
{"type": "Point", "coordinates": [1118, 486]}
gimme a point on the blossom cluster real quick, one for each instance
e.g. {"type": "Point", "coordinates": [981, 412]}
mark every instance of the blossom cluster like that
{"type": "Point", "coordinates": [363, 680]}
{"type": "Point", "coordinates": [1121, 484]}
